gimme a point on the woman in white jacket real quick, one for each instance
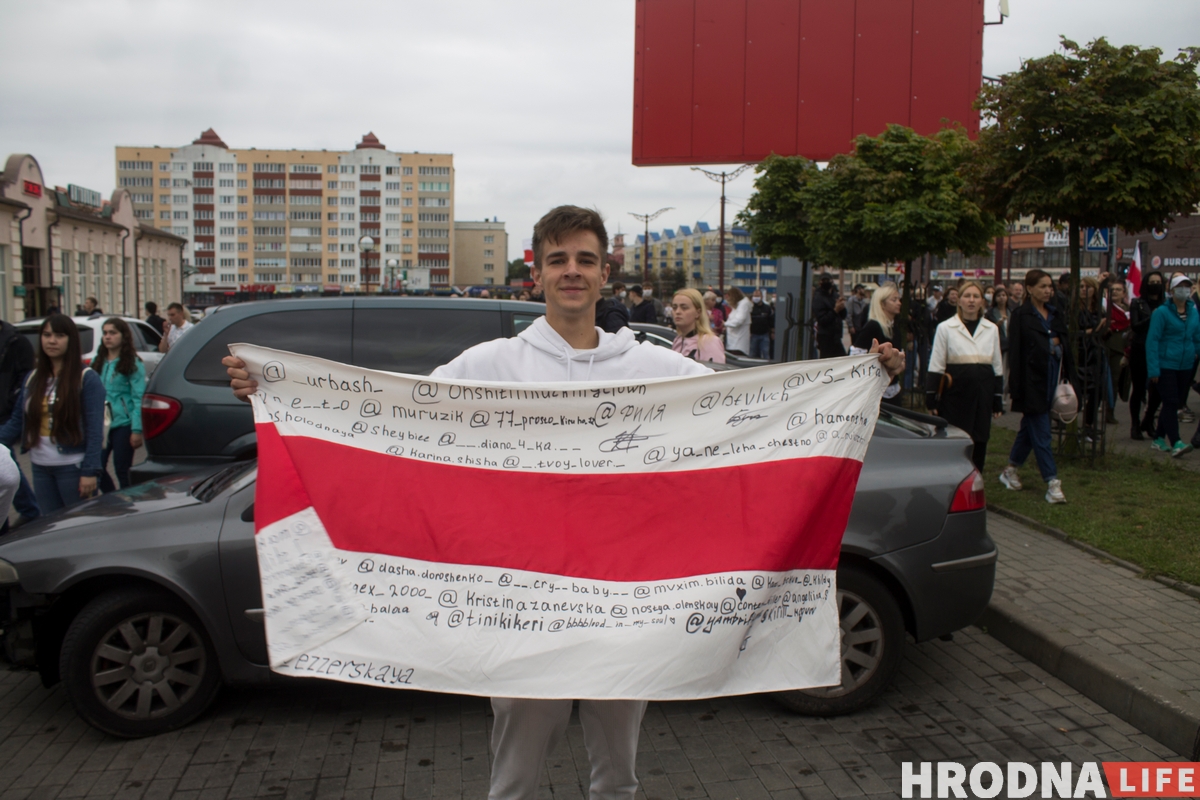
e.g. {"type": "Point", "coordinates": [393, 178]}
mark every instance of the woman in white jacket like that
{"type": "Point", "coordinates": [737, 327]}
{"type": "Point", "coordinates": [966, 371]}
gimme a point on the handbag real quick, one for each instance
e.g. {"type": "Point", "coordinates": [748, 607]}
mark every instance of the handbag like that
{"type": "Point", "coordinates": [1065, 405]}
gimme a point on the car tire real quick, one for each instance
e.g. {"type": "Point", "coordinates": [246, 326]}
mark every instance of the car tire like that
{"type": "Point", "coordinates": [137, 662]}
{"type": "Point", "coordinates": [872, 648]}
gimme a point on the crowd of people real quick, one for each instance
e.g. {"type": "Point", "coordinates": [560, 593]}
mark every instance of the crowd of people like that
{"type": "Point", "coordinates": [72, 418]}
{"type": "Point", "coordinates": [976, 346]}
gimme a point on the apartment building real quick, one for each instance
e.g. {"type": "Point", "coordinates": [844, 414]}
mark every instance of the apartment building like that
{"type": "Point", "coordinates": [480, 253]}
{"type": "Point", "coordinates": [695, 250]}
{"type": "Point", "coordinates": [60, 245]}
{"type": "Point", "coordinates": [295, 221]}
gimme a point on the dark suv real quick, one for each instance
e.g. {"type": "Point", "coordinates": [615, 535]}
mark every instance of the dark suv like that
{"type": "Point", "coordinates": [190, 417]}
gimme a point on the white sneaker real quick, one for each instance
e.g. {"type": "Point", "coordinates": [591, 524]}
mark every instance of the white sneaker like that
{"type": "Point", "coordinates": [1010, 478]}
{"type": "Point", "coordinates": [1054, 493]}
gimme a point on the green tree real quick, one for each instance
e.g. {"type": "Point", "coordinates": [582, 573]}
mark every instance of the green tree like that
{"type": "Point", "coordinates": [1098, 136]}
{"type": "Point", "coordinates": [896, 197]}
{"type": "Point", "coordinates": [518, 269]}
{"type": "Point", "coordinates": [775, 215]}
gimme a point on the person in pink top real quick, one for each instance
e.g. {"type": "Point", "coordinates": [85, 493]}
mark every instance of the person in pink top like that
{"type": "Point", "coordinates": [693, 336]}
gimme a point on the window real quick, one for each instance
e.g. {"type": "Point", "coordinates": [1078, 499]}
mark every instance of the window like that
{"type": "Point", "coordinates": [269, 215]}
{"type": "Point", "coordinates": [489, 239]}
{"type": "Point", "coordinates": [142, 198]}
{"type": "Point", "coordinates": [241, 168]}
{"type": "Point", "coordinates": [434, 248]}
{"type": "Point", "coordinates": [206, 182]}
{"type": "Point", "coordinates": [243, 247]}
{"type": "Point", "coordinates": [143, 213]}
{"type": "Point", "coordinates": [345, 201]}
{"type": "Point", "coordinates": [225, 183]}
{"type": "Point", "coordinates": [164, 166]}
{"type": "Point", "coordinates": [391, 232]}
{"type": "Point", "coordinates": [347, 169]}
{"type": "Point", "coordinates": [137, 166]}
{"type": "Point", "coordinates": [408, 170]}
{"type": "Point", "coordinates": [225, 215]}
{"type": "Point", "coordinates": [347, 232]}
{"type": "Point", "coordinates": [179, 166]}
{"type": "Point", "coordinates": [488, 267]}
{"type": "Point", "coordinates": [164, 199]}
{"type": "Point", "coordinates": [305, 199]}
{"type": "Point", "coordinates": [332, 168]}
{"type": "Point", "coordinates": [267, 277]}
{"type": "Point", "coordinates": [348, 248]}
{"type": "Point", "coordinates": [434, 186]}
{"type": "Point", "coordinates": [391, 248]}
{"type": "Point", "coordinates": [347, 279]}
{"type": "Point", "coordinates": [243, 230]}
{"type": "Point", "coordinates": [268, 183]}
{"type": "Point", "coordinates": [395, 217]}
{"type": "Point", "coordinates": [270, 231]}
{"type": "Point", "coordinates": [306, 262]}
{"type": "Point", "coordinates": [299, 183]}
{"type": "Point", "coordinates": [433, 171]}
{"type": "Point", "coordinates": [434, 233]}
{"type": "Point", "coordinates": [180, 215]}
{"type": "Point", "coordinates": [269, 247]}
{"type": "Point", "coordinates": [406, 202]}
{"type": "Point", "coordinates": [225, 200]}
{"type": "Point", "coordinates": [392, 186]}
{"type": "Point", "coordinates": [331, 184]}
{"type": "Point", "coordinates": [226, 231]}
{"type": "Point", "coordinates": [181, 183]}
{"type": "Point", "coordinates": [202, 166]}
{"type": "Point", "coordinates": [309, 216]}
{"type": "Point", "coordinates": [406, 248]}
{"type": "Point", "coordinates": [413, 341]}
{"type": "Point", "coordinates": [436, 202]}
{"type": "Point", "coordinates": [391, 170]}
{"type": "Point", "coordinates": [389, 201]}
{"type": "Point", "coordinates": [489, 253]}
{"type": "Point", "coordinates": [331, 247]}
{"type": "Point", "coordinates": [373, 201]}
{"type": "Point", "coordinates": [243, 200]}
{"type": "Point", "coordinates": [137, 181]}
{"type": "Point", "coordinates": [164, 215]}
{"type": "Point", "coordinates": [348, 185]}
{"type": "Point", "coordinates": [331, 201]}
{"type": "Point", "coordinates": [407, 217]}
{"type": "Point", "coordinates": [332, 217]}
{"type": "Point", "coordinates": [347, 216]}
{"type": "Point", "coordinates": [242, 262]}
{"type": "Point", "coordinates": [306, 168]}
{"type": "Point", "coordinates": [225, 167]}
{"type": "Point", "coordinates": [408, 187]}
{"type": "Point", "coordinates": [305, 231]}
{"type": "Point", "coordinates": [164, 183]}
{"type": "Point", "coordinates": [269, 199]}
{"type": "Point", "coordinates": [204, 215]}
{"type": "Point", "coordinates": [227, 277]}
{"type": "Point", "coordinates": [349, 263]}
{"type": "Point", "coordinates": [263, 167]}
{"type": "Point", "coordinates": [408, 233]}
{"type": "Point", "coordinates": [331, 232]}
{"type": "Point", "coordinates": [241, 184]}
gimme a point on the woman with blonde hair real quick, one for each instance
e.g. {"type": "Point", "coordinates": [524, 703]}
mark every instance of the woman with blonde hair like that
{"type": "Point", "coordinates": [693, 336]}
{"type": "Point", "coordinates": [881, 327]}
{"type": "Point", "coordinates": [966, 371]}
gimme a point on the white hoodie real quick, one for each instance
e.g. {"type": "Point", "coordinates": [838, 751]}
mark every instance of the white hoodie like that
{"type": "Point", "coordinates": [540, 354]}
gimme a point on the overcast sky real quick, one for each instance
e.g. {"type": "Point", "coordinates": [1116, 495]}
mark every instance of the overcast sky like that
{"type": "Point", "coordinates": [534, 99]}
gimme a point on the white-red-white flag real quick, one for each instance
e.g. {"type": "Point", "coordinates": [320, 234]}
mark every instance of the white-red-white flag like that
{"type": "Point", "coordinates": [1133, 281]}
{"type": "Point", "coordinates": [655, 539]}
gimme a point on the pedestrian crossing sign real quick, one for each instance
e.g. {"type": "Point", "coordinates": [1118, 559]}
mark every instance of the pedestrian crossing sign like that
{"type": "Point", "coordinates": [1097, 240]}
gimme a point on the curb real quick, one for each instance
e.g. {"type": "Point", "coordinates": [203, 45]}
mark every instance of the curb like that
{"type": "Point", "coordinates": [1164, 714]}
{"type": "Point", "coordinates": [1062, 536]}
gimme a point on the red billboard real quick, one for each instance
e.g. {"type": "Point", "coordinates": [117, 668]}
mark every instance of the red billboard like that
{"type": "Point", "coordinates": [728, 81]}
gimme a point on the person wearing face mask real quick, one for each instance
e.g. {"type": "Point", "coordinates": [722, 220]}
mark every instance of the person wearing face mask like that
{"type": "Point", "coordinates": [611, 313]}
{"type": "Point", "coordinates": [762, 322]}
{"type": "Point", "coordinates": [1150, 297]}
{"type": "Point", "coordinates": [1172, 344]}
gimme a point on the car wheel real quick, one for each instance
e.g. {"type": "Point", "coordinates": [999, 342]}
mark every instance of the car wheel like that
{"type": "Point", "coordinates": [872, 648]}
{"type": "Point", "coordinates": [137, 662]}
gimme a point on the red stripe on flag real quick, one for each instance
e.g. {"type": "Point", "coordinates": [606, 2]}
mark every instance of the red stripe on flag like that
{"type": "Point", "coordinates": [773, 516]}
{"type": "Point", "coordinates": [282, 494]}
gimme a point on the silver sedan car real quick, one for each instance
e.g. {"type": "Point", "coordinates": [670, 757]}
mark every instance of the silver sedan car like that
{"type": "Point", "coordinates": [144, 601]}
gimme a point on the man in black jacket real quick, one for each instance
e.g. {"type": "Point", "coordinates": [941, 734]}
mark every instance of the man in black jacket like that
{"type": "Point", "coordinates": [611, 313]}
{"type": "Point", "coordinates": [762, 323]}
{"type": "Point", "coordinates": [830, 313]}
{"type": "Point", "coordinates": [643, 310]}
{"type": "Point", "coordinates": [16, 362]}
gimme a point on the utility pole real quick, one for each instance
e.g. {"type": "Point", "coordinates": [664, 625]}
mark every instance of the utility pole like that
{"type": "Point", "coordinates": [646, 218]}
{"type": "Point", "coordinates": [722, 177]}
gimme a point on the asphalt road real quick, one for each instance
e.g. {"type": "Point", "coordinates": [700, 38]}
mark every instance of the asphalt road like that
{"type": "Point", "coordinates": [968, 700]}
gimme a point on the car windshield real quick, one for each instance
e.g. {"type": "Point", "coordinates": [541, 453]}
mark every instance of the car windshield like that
{"type": "Point", "coordinates": [223, 479]}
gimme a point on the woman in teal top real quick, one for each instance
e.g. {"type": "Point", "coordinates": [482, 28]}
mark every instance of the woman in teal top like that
{"type": "Point", "coordinates": [1171, 348]}
{"type": "Point", "coordinates": [124, 377]}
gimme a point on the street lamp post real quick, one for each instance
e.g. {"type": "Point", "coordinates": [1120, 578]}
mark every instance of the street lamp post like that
{"type": "Point", "coordinates": [391, 266]}
{"type": "Point", "coordinates": [646, 218]}
{"type": "Point", "coordinates": [722, 177]}
{"type": "Point", "coordinates": [365, 245]}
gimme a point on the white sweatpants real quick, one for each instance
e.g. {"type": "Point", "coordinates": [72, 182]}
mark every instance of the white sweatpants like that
{"type": "Point", "coordinates": [527, 731]}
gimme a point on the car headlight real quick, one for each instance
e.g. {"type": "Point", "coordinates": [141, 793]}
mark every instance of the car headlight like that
{"type": "Point", "coordinates": [8, 574]}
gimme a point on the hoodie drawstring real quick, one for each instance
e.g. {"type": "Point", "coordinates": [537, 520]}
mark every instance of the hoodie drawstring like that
{"type": "Point", "coordinates": [591, 361]}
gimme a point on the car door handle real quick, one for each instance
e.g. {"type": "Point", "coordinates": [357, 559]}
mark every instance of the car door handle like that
{"type": "Point", "coordinates": [255, 614]}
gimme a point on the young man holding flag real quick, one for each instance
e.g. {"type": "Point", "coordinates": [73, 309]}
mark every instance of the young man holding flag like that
{"type": "Point", "coordinates": [569, 248]}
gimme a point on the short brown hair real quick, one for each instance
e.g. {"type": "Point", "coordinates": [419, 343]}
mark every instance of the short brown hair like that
{"type": "Point", "coordinates": [559, 222]}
